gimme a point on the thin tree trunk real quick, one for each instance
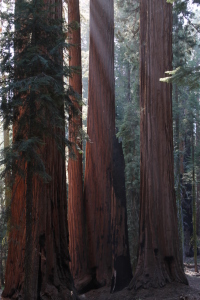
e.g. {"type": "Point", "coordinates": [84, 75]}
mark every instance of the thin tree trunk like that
{"type": "Point", "coordinates": [128, 70]}
{"type": "Point", "coordinates": [159, 257]}
{"type": "Point", "coordinates": [194, 215]}
{"type": "Point", "coordinates": [1, 269]}
{"type": "Point", "coordinates": [178, 175]}
{"type": "Point", "coordinates": [198, 173]}
{"type": "Point", "coordinates": [77, 241]}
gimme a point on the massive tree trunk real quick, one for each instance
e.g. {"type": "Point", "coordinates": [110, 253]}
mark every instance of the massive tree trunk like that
{"type": "Point", "coordinates": [49, 272]}
{"type": "Point", "coordinates": [50, 276]}
{"type": "Point", "coordinates": [101, 129]}
{"type": "Point", "coordinates": [77, 241]}
{"type": "Point", "coordinates": [159, 259]}
{"type": "Point", "coordinates": [98, 186]}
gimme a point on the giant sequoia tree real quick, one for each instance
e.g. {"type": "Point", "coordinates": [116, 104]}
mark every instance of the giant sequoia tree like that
{"type": "Point", "coordinates": [105, 205]}
{"type": "Point", "coordinates": [76, 223]}
{"type": "Point", "coordinates": [159, 257]}
{"type": "Point", "coordinates": [100, 128]}
{"type": "Point", "coordinates": [38, 259]}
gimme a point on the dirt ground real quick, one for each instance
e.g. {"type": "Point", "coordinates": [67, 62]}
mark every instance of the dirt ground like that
{"type": "Point", "coordinates": [173, 291]}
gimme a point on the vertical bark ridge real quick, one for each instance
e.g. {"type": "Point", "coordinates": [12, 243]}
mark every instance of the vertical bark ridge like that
{"type": "Point", "coordinates": [105, 204]}
{"type": "Point", "coordinates": [77, 242]}
{"type": "Point", "coordinates": [101, 129]}
{"type": "Point", "coordinates": [159, 260]}
{"type": "Point", "coordinates": [50, 275]}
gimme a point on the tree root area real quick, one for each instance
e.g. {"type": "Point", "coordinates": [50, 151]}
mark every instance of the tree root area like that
{"type": "Point", "coordinates": [172, 291]}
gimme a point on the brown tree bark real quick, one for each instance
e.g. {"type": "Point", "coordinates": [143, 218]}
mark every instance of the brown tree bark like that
{"type": "Point", "coordinates": [49, 276]}
{"type": "Point", "coordinates": [101, 129]}
{"type": "Point", "coordinates": [159, 256]}
{"type": "Point", "coordinates": [103, 205]}
{"type": "Point", "coordinates": [77, 242]}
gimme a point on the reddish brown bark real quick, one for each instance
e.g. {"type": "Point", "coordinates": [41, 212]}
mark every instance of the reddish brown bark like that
{"type": "Point", "coordinates": [106, 241]}
{"type": "Point", "coordinates": [49, 275]}
{"type": "Point", "coordinates": [50, 259]}
{"type": "Point", "coordinates": [76, 222]}
{"type": "Point", "coordinates": [159, 257]}
{"type": "Point", "coordinates": [100, 126]}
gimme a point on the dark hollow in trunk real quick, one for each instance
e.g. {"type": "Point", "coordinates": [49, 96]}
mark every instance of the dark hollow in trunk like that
{"type": "Point", "coordinates": [122, 272]}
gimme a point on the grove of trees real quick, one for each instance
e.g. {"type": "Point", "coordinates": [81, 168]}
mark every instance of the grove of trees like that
{"type": "Point", "coordinates": [117, 205]}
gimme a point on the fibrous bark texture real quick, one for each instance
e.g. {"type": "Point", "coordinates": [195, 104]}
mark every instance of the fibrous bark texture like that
{"type": "Point", "coordinates": [159, 257]}
{"type": "Point", "coordinates": [49, 276]}
{"type": "Point", "coordinates": [50, 259]}
{"type": "Point", "coordinates": [104, 201]}
{"type": "Point", "coordinates": [75, 190]}
{"type": "Point", "coordinates": [101, 129]}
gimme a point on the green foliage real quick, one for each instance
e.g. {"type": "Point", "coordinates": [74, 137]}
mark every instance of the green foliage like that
{"type": "Point", "coordinates": [183, 2]}
{"type": "Point", "coordinates": [189, 76]}
{"type": "Point", "coordinates": [34, 94]}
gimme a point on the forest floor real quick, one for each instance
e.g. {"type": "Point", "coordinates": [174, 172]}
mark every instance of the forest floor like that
{"type": "Point", "coordinates": [173, 291]}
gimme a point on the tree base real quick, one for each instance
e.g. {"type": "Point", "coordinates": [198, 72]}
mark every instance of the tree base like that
{"type": "Point", "coordinates": [50, 293]}
{"type": "Point", "coordinates": [157, 277]}
{"type": "Point", "coordinates": [88, 283]}
{"type": "Point", "coordinates": [82, 283]}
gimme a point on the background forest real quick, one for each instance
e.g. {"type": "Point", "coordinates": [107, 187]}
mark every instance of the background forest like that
{"type": "Point", "coordinates": [57, 73]}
